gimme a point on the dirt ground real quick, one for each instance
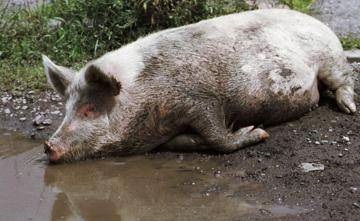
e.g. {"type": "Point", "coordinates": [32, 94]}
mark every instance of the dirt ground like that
{"type": "Point", "coordinates": [324, 136]}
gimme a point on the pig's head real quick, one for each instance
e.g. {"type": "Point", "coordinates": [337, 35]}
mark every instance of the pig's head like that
{"type": "Point", "coordinates": [90, 97]}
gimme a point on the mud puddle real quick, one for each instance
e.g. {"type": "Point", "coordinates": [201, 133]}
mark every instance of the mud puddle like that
{"type": "Point", "coordinates": [150, 187]}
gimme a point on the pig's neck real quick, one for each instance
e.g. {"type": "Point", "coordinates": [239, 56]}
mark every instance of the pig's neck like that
{"type": "Point", "coordinates": [127, 119]}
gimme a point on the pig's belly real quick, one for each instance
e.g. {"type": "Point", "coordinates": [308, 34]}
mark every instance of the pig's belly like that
{"type": "Point", "coordinates": [269, 108]}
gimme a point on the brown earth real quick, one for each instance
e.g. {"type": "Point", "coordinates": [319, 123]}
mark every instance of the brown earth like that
{"type": "Point", "coordinates": [324, 136]}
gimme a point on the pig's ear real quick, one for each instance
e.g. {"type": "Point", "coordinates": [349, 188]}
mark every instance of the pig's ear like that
{"type": "Point", "coordinates": [58, 77]}
{"type": "Point", "coordinates": [97, 79]}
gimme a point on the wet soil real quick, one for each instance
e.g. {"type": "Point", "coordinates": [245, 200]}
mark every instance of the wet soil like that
{"type": "Point", "coordinates": [148, 187]}
{"type": "Point", "coordinates": [262, 182]}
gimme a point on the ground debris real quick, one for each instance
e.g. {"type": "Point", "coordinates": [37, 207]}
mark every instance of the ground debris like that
{"type": "Point", "coordinates": [308, 167]}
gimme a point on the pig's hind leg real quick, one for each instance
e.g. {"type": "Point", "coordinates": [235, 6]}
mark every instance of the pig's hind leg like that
{"type": "Point", "coordinates": [337, 77]}
{"type": "Point", "coordinates": [210, 124]}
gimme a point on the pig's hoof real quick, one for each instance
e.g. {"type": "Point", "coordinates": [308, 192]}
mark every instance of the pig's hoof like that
{"type": "Point", "coordinates": [262, 134]}
{"type": "Point", "coordinates": [345, 100]}
{"type": "Point", "coordinates": [249, 136]}
{"type": "Point", "coordinates": [346, 104]}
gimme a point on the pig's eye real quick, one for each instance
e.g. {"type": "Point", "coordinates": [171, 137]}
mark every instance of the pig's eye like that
{"type": "Point", "coordinates": [87, 111]}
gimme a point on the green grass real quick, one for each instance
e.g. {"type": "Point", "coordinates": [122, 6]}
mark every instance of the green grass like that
{"type": "Point", "coordinates": [17, 78]}
{"type": "Point", "coordinates": [93, 27]}
{"type": "Point", "coordinates": [299, 5]}
{"type": "Point", "coordinates": [89, 29]}
{"type": "Point", "coordinates": [350, 43]}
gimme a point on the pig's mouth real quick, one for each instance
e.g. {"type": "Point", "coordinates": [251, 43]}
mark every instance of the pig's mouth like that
{"type": "Point", "coordinates": [54, 153]}
{"type": "Point", "coordinates": [57, 154]}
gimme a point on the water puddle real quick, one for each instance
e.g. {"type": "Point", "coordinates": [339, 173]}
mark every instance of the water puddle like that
{"type": "Point", "coordinates": [152, 187]}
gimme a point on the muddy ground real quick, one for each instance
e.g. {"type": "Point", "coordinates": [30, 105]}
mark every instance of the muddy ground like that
{"type": "Point", "coordinates": [324, 136]}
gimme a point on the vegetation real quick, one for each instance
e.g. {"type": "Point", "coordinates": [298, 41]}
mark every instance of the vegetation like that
{"type": "Point", "coordinates": [299, 5]}
{"type": "Point", "coordinates": [74, 31]}
{"type": "Point", "coordinates": [350, 43]}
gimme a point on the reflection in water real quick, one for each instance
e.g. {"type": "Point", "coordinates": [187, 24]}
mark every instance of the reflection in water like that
{"type": "Point", "coordinates": [142, 189]}
{"type": "Point", "coordinates": [153, 187]}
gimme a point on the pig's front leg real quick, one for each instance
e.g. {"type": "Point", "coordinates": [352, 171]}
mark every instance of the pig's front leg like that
{"type": "Point", "coordinates": [210, 124]}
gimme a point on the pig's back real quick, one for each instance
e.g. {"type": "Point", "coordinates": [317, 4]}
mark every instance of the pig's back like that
{"type": "Point", "coordinates": [241, 50]}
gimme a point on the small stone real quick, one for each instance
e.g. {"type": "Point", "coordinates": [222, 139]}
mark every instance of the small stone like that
{"type": "Point", "coordinates": [264, 211]}
{"type": "Point", "coordinates": [32, 135]}
{"type": "Point", "coordinates": [55, 112]}
{"type": "Point", "coordinates": [4, 100]}
{"type": "Point", "coordinates": [353, 189]}
{"type": "Point", "coordinates": [38, 119]}
{"type": "Point", "coordinates": [353, 55]}
{"type": "Point", "coordinates": [308, 167]}
{"type": "Point", "coordinates": [340, 155]}
{"type": "Point", "coordinates": [47, 122]}
{"type": "Point", "coordinates": [317, 142]}
{"type": "Point", "coordinates": [7, 111]}
{"type": "Point", "coordinates": [324, 141]}
{"type": "Point", "coordinates": [22, 119]}
{"type": "Point", "coordinates": [356, 205]}
{"type": "Point", "coordinates": [40, 128]}
{"type": "Point", "coordinates": [345, 138]}
{"type": "Point", "coordinates": [55, 23]}
{"type": "Point", "coordinates": [24, 107]}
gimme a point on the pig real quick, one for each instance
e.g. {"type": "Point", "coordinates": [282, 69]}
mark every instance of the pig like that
{"type": "Point", "coordinates": [204, 86]}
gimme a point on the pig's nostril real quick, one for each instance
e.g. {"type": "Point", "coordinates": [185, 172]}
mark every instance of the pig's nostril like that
{"type": "Point", "coordinates": [47, 147]}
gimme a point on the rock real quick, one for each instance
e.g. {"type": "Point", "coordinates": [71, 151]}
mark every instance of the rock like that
{"type": "Point", "coordinates": [353, 189]}
{"type": "Point", "coordinates": [342, 16]}
{"type": "Point", "coordinates": [24, 107]}
{"type": "Point", "coordinates": [308, 167]}
{"type": "Point", "coordinates": [345, 138]}
{"type": "Point", "coordinates": [55, 112]}
{"type": "Point", "coordinates": [7, 111]}
{"type": "Point", "coordinates": [55, 23]}
{"type": "Point", "coordinates": [47, 122]}
{"type": "Point", "coordinates": [265, 4]}
{"type": "Point", "coordinates": [357, 205]}
{"type": "Point", "coordinates": [22, 119]}
{"type": "Point", "coordinates": [33, 135]}
{"type": "Point", "coordinates": [353, 55]}
{"type": "Point", "coordinates": [40, 128]}
{"type": "Point", "coordinates": [4, 100]}
{"type": "Point", "coordinates": [38, 119]}
{"type": "Point", "coordinates": [324, 141]}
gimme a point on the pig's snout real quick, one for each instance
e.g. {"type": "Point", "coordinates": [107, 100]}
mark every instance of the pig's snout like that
{"type": "Point", "coordinates": [54, 152]}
